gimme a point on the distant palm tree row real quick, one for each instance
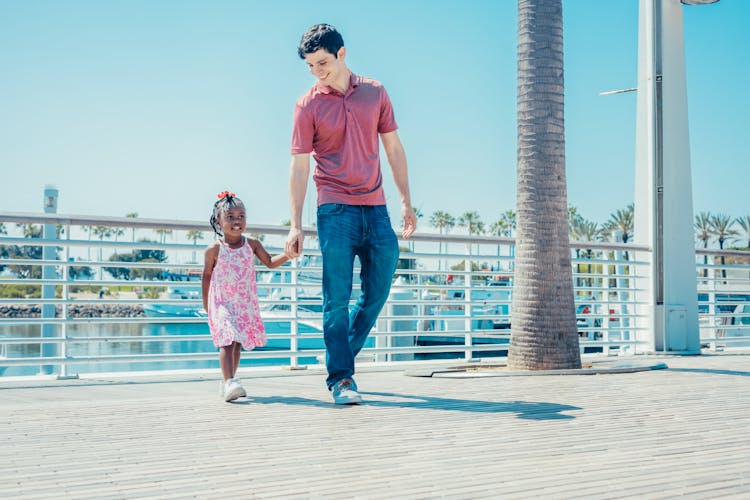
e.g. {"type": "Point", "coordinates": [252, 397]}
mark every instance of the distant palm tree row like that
{"type": "Point", "coordinates": [718, 228]}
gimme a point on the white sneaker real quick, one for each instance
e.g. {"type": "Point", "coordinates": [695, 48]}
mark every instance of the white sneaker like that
{"type": "Point", "coordinates": [243, 393]}
{"type": "Point", "coordinates": [232, 390]}
{"type": "Point", "coordinates": [345, 392]}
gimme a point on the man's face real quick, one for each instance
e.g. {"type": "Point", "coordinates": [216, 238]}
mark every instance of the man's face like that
{"type": "Point", "coordinates": [324, 66]}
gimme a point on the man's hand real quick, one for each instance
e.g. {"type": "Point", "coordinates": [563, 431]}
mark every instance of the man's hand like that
{"type": "Point", "coordinates": [294, 242]}
{"type": "Point", "coordinates": [410, 221]}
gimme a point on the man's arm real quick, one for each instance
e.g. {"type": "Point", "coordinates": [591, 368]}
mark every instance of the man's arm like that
{"type": "Point", "coordinates": [299, 172]}
{"type": "Point", "coordinates": [394, 150]}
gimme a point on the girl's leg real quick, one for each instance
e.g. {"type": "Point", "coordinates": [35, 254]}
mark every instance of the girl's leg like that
{"type": "Point", "coordinates": [226, 361]}
{"type": "Point", "coordinates": [237, 352]}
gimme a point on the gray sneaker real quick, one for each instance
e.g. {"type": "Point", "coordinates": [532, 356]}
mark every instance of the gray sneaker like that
{"type": "Point", "coordinates": [345, 392]}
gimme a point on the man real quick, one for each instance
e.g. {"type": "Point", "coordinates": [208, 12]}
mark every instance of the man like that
{"type": "Point", "coordinates": [339, 121]}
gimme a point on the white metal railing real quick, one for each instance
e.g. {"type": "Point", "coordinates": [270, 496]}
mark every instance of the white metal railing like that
{"type": "Point", "coordinates": [724, 298]}
{"type": "Point", "coordinates": [451, 298]}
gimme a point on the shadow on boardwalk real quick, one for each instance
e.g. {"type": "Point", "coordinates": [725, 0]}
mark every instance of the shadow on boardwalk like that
{"type": "Point", "coordinates": [525, 410]}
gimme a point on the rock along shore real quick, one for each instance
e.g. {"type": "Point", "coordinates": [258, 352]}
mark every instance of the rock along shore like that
{"type": "Point", "coordinates": [75, 311]}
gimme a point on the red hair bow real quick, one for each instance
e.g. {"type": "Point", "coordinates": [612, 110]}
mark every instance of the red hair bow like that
{"type": "Point", "coordinates": [225, 194]}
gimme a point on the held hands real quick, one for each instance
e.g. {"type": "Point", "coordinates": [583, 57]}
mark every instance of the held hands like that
{"type": "Point", "coordinates": [410, 220]}
{"type": "Point", "coordinates": [294, 243]}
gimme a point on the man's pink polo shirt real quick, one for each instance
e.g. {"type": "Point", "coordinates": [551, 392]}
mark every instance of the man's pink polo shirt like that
{"type": "Point", "coordinates": [341, 131]}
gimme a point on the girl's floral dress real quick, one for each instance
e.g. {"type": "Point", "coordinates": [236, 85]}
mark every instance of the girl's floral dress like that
{"type": "Point", "coordinates": [233, 312]}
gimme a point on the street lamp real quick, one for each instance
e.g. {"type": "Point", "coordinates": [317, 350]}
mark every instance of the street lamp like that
{"type": "Point", "coordinates": [663, 197]}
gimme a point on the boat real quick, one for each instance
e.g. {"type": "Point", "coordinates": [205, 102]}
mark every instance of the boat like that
{"type": "Point", "coordinates": [192, 308]}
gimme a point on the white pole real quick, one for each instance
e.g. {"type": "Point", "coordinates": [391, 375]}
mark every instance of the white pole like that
{"type": "Point", "coordinates": [663, 197]}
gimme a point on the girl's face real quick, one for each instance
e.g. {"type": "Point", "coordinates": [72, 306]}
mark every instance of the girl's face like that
{"type": "Point", "coordinates": [233, 221]}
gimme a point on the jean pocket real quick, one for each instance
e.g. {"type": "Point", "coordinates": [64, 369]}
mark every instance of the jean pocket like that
{"type": "Point", "coordinates": [330, 209]}
{"type": "Point", "coordinates": [381, 211]}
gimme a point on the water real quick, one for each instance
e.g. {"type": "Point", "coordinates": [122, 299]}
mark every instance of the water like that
{"type": "Point", "coordinates": [199, 345]}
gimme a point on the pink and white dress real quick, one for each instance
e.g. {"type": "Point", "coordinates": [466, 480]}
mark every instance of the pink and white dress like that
{"type": "Point", "coordinates": [233, 312]}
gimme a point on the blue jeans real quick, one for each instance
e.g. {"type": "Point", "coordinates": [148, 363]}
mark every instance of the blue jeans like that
{"type": "Point", "coordinates": [346, 231]}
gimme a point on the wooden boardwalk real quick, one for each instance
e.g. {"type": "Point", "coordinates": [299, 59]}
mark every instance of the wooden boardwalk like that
{"type": "Point", "coordinates": [679, 432]}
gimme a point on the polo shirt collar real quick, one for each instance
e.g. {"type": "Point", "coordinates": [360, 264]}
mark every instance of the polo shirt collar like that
{"type": "Point", "coordinates": [354, 81]}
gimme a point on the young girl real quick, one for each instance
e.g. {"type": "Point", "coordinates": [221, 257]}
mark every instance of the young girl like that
{"type": "Point", "coordinates": [230, 294]}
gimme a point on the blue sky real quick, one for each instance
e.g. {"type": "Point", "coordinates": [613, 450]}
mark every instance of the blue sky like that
{"type": "Point", "coordinates": [154, 106]}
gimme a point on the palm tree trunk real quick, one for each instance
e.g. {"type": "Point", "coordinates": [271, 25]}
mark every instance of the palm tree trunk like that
{"type": "Point", "coordinates": [544, 332]}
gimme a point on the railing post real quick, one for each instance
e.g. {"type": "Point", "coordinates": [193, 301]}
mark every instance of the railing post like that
{"type": "Point", "coordinates": [399, 325]}
{"type": "Point", "coordinates": [468, 339]}
{"type": "Point", "coordinates": [294, 321]}
{"type": "Point", "coordinates": [49, 272]}
{"type": "Point", "coordinates": [64, 312]}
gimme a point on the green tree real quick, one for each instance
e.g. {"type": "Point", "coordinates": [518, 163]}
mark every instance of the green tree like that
{"type": "Point", "coordinates": [544, 333]}
{"type": "Point", "coordinates": [25, 252]}
{"type": "Point", "coordinates": [137, 255]}
{"type": "Point", "coordinates": [80, 272]}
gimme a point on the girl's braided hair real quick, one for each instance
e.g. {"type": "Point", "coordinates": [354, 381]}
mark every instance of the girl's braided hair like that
{"type": "Point", "coordinates": [225, 202]}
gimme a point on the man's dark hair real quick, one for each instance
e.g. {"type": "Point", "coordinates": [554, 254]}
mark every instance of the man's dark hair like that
{"type": "Point", "coordinates": [320, 36]}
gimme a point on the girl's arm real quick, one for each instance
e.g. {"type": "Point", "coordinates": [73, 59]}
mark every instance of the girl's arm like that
{"type": "Point", "coordinates": [209, 261]}
{"type": "Point", "coordinates": [265, 257]}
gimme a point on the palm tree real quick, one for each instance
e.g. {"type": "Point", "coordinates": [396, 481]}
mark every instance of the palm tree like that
{"type": "Point", "coordinates": [544, 333]}
{"type": "Point", "coordinates": [509, 216]}
{"type": "Point", "coordinates": [721, 227]}
{"type": "Point", "coordinates": [703, 233]}
{"type": "Point", "coordinates": [163, 234]}
{"type": "Point", "coordinates": [744, 223]}
{"type": "Point", "coordinates": [622, 222]}
{"type": "Point", "coordinates": [500, 228]}
{"type": "Point", "coordinates": [443, 221]}
{"type": "Point", "coordinates": [473, 224]}
{"type": "Point", "coordinates": [132, 215]}
{"type": "Point", "coordinates": [504, 226]}
{"type": "Point", "coordinates": [194, 235]}
{"type": "Point", "coordinates": [2, 228]}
